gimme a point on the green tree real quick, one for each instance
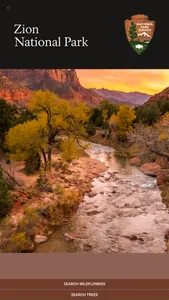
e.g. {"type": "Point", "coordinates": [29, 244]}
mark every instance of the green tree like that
{"type": "Point", "coordinates": [107, 109]}
{"type": "Point", "coordinates": [95, 117]}
{"type": "Point", "coordinates": [7, 119]}
{"type": "Point", "coordinates": [148, 114]}
{"type": "Point", "coordinates": [132, 31]}
{"type": "Point", "coordinates": [5, 203]}
{"type": "Point", "coordinates": [99, 116]}
{"type": "Point", "coordinates": [24, 115]}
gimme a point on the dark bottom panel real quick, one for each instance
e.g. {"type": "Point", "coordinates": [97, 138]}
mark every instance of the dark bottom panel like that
{"type": "Point", "coordinates": [100, 295]}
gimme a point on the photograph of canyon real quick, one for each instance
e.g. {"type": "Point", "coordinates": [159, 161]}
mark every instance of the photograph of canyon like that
{"type": "Point", "coordinates": [84, 161]}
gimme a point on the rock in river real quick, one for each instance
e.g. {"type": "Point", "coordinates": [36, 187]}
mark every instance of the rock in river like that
{"type": "Point", "coordinates": [166, 234]}
{"type": "Point", "coordinates": [92, 194]}
{"type": "Point", "coordinates": [150, 168]}
{"type": "Point", "coordinates": [87, 247]}
{"type": "Point", "coordinates": [135, 161]}
{"type": "Point", "coordinates": [92, 213]}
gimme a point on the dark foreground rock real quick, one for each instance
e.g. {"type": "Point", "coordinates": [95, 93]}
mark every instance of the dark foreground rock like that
{"type": "Point", "coordinates": [162, 176]}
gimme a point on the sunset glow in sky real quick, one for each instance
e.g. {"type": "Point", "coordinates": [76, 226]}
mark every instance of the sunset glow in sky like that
{"type": "Point", "coordinates": [145, 81]}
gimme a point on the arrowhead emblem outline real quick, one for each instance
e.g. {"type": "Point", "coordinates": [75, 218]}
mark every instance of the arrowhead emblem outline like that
{"type": "Point", "coordinates": [139, 31]}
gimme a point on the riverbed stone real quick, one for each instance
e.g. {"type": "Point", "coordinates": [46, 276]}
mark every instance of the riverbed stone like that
{"type": "Point", "coordinates": [150, 169]}
{"type": "Point", "coordinates": [166, 234]}
{"type": "Point", "coordinates": [141, 239]}
{"type": "Point", "coordinates": [132, 237]}
{"type": "Point", "coordinates": [135, 161]}
{"type": "Point", "coordinates": [92, 213]}
{"type": "Point", "coordinates": [87, 247]}
{"type": "Point", "coordinates": [92, 194]}
{"type": "Point", "coordinates": [40, 239]}
{"type": "Point", "coordinates": [68, 237]}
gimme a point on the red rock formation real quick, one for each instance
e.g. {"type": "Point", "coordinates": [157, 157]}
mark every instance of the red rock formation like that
{"type": "Point", "coordinates": [163, 96]}
{"type": "Point", "coordinates": [63, 82]}
{"type": "Point", "coordinates": [13, 93]}
{"type": "Point", "coordinates": [26, 76]}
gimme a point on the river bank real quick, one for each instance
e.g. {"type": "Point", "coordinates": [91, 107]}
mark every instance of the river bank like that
{"type": "Point", "coordinates": [44, 204]}
{"type": "Point", "coordinates": [98, 203]}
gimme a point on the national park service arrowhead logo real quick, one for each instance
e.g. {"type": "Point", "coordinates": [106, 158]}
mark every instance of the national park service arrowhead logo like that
{"type": "Point", "coordinates": [139, 31]}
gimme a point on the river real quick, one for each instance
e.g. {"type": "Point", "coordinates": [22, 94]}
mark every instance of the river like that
{"type": "Point", "coordinates": [126, 214]}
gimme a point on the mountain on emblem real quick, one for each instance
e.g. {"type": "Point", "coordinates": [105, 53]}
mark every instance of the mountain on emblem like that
{"type": "Point", "coordinates": [139, 31]}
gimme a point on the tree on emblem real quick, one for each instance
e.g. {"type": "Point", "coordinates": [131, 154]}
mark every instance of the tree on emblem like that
{"type": "Point", "coordinates": [132, 31]}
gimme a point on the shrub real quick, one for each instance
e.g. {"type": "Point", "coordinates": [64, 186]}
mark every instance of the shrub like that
{"type": "Point", "coordinates": [14, 241]}
{"type": "Point", "coordinates": [55, 215]}
{"type": "Point", "coordinates": [20, 239]}
{"type": "Point", "coordinates": [58, 189]}
{"type": "Point", "coordinates": [5, 203]}
{"type": "Point", "coordinates": [29, 222]}
{"type": "Point", "coordinates": [91, 129]}
{"type": "Point", "coordinates": [64, 166]}
{"type": "Point", "coordinates": [19, 242]}
{"type": "Point", "coordinates": [68, 201]}
{"type": "Point", "coordinates": [43, 185]}
{"type": "Point", "coordinates": [32, 193]}
{"type": "Point", "coordinates": [52, 213]}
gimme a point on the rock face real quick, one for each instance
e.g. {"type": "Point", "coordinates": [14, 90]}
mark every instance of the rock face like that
{"type": "Point", "coordinates": [150, 168]}
{"type": "Point", "coordinates": [27, 76]}
{"type": "Point", "coordinates": [40, 239]}
{"type": "Point", "coordinates": [135, 161]}
{"type": "Point", "coordinates": [13, 93]}
{"type": "Point", "coordinates": [162, 96]}
{"type": "Point", "coordinates": [162, 176]}
{"type": "Point", "coordinates": [63, 82]}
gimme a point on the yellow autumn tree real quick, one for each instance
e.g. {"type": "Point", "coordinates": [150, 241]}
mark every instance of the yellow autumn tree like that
{"type": "Point", "coordinates": [25, 138]}
{"type": "Point", "coordinates": [55, 117]}
{"type": "Point", "coordinates": [124, 118]}
{"type": "Point", "coordinates": [113, 121]}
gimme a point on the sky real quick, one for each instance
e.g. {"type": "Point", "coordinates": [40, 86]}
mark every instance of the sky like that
{"type": "Point", "coordinates": [145, 81]}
